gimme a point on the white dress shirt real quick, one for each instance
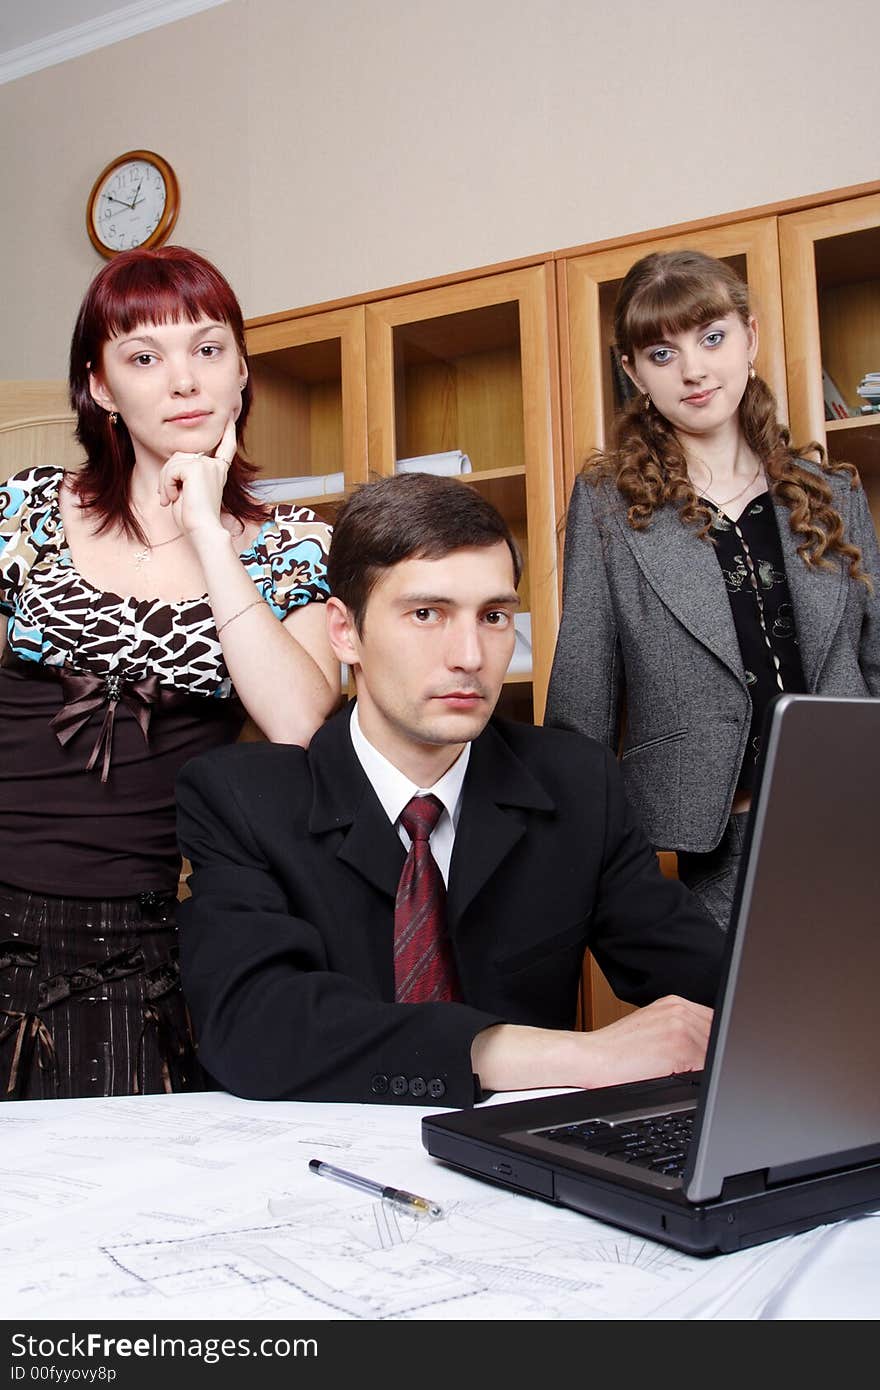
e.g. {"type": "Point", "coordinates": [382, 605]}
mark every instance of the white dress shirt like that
{"type": "Point", "coordinates": [395, 791]}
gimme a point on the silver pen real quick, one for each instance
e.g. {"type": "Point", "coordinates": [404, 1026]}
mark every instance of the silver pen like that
{"type": "Point", "coordinates": [417, 1206]}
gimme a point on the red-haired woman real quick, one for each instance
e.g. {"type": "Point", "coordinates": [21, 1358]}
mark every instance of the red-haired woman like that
{"type": "Point", "coordinates": [709, 565]}
{"type": "Point", "coordinates": [150, 604]}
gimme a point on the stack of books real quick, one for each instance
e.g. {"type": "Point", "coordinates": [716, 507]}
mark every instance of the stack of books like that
{"type": "Point", "coordinates": [869, 389]}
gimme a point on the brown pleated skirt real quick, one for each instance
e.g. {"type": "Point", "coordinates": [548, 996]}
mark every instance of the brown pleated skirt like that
{"type": "Point", "coordinates": [90, 998]}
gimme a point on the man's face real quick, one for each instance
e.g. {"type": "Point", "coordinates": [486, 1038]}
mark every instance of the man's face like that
{"type": "Point", "coordinates": [437, 640]}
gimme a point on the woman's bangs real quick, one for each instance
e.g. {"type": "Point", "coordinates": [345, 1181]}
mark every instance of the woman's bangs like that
{"type": "Point", "coordinates": [674, 307]}
{"type": "Point", "coordinates": [156, 294]}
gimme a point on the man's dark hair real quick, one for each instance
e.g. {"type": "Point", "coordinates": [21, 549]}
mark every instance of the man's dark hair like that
{"type": "Point", "coordinates": [409, 516]}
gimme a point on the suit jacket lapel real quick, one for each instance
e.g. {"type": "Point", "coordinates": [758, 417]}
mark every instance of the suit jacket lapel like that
{"type": "Point", "coordinates": [343, 800]}
{"type": "Point", "coordinates": [685, 574]}
{"type": "Point", "coordinates": [496, 784]}
{"type": "Point", "coordinates": [818, 596]}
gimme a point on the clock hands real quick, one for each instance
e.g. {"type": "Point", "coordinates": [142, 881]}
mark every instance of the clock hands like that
{"type": "Point", "coordinates": [133, 204]}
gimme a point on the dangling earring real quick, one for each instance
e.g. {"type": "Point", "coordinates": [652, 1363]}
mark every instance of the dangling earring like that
{"type": "Point", "coordinates": [114, 417]}
{"type": "Point", "coordinates": [752, 372]}
{"type": "Point", "coordinates": [647, 403]}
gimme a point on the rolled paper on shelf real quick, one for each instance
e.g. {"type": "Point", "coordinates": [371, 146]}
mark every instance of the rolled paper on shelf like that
{"type": "Point", "coordinates": [305, 485]}
{"type": "Point", "coordinates": [333, 482]}
{"type": "Point", "coordinates": [444, 465]}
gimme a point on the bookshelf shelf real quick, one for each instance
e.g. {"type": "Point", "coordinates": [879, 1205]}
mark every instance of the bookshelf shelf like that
{"type": "Point", "coordinates": [856, 422]}
{"type": "Point", "coordinates": [321, 499]}
{"type": "Point", "coordinates": [470, 365]}
{"type": "Point", "coordinates": [473, 365]}
{"type": "Point", "coordinates": [310, 401]}
{"type": "Point", "coordinates": [857, 442]}
{"type": "Point", "coordinates": [830, 262]}
{"type": "Point", "coordinates": [486, 475]}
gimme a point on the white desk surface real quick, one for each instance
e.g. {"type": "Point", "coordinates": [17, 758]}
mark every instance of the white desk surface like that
{"type": "Point", "coordinates": [157, 1207]}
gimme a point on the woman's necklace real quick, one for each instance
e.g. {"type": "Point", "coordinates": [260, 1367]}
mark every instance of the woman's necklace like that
{"type": "Point", "coordinates": [143, 556]}
{"type": "Point", "coordinates": [727, 501]}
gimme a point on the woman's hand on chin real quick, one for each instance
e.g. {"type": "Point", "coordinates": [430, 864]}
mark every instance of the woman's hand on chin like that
{"type": "Point", "coordinates": [192, 485]}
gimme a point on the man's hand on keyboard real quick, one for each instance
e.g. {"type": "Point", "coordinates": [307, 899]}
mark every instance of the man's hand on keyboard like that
{"type": "Point", "coordinates": [667, 1036]}
{"type": "Point", "coordinates": [670, 1035]}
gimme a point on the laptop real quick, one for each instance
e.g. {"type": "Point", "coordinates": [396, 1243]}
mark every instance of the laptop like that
{"type": "Point", "coordinates": [781, 1131]}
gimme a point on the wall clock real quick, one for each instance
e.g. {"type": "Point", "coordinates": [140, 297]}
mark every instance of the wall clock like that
{"type": "Point", "coordinates": [133, 202]}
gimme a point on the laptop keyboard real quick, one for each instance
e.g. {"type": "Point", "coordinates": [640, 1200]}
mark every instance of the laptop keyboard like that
{"type": "Point", "coordinates": [657, 1142]}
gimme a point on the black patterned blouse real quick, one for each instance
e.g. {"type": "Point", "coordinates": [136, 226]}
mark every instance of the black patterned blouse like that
{"type": "Point", "coordinates": [750, 555]}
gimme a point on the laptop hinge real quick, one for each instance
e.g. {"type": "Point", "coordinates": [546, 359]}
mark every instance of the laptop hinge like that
{"type": "Point", "coordinates": [744, 1185]}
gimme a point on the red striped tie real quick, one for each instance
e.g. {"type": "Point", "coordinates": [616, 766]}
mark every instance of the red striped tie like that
{"type": "Point", "coordinates": [424, 970]}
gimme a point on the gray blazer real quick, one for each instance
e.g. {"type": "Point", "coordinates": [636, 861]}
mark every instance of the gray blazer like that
{"type": "Point", "coordinates": [646, 620]}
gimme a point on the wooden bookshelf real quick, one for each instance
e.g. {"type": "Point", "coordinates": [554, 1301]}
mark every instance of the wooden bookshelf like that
{"type": "Point", "coordinates": [830, 261]}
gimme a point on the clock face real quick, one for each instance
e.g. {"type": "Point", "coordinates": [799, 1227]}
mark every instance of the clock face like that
{"type": "Point", "coordinates": [134, 203]}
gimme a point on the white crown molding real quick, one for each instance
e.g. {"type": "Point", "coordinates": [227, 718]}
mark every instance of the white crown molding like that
{"type": "Point", "coordinates": [123, 23]}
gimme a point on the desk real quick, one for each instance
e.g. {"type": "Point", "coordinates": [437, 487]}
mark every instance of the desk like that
{"type": "Point", "coordinates": [158, 1206]}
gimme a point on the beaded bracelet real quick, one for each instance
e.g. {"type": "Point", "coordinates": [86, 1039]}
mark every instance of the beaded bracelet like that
{"type": "Point", "coordinates": [253, 603]}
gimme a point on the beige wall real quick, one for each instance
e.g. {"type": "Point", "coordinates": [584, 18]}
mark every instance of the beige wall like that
{"type": "Point", "coordinates": [330, 148]}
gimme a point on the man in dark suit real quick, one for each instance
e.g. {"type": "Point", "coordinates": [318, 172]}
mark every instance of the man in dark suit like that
{"type": "Point", "coordinates": [291, 940]}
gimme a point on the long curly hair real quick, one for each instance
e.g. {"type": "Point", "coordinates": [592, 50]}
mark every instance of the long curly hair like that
{"type": "Point", "coordinates": [166, 284]}
{"type": "Point", "coordinates": [667, 293]}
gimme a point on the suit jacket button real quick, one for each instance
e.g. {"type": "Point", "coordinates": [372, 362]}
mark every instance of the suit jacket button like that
{"type": "Point", "coordinates": [417, 1086]}
{"type": "Point", "coordinates": [436, 1088]}
{"type": "Point", "coordinates": [399, 1086]}
{"type": "Point", "coordinates": [379, 1085]}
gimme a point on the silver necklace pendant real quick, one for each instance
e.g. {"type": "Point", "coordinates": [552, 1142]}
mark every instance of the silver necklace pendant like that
{"type": "Point", "coordinates": [143, 557]}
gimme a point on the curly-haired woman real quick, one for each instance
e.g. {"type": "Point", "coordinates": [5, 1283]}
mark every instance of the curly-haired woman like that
{"type": "Point", "coordinates": [709, 565]}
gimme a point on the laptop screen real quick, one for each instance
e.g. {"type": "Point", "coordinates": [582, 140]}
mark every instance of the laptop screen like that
{"type": "Point", "coordinates": [790, 1082]}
